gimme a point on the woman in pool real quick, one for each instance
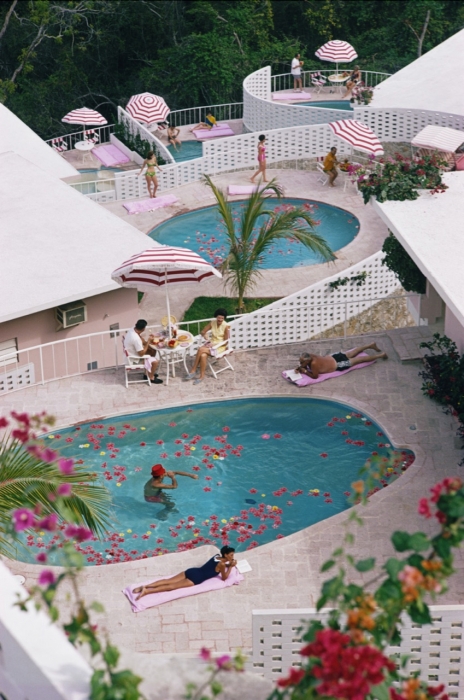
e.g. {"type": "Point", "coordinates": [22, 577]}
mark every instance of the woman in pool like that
{"type": "Point", "coordinates": [220, 565]}
{"type": "Point", "coordinates": [173, 137]}
{"type": "Point", "coordinates": [150, 176]}
{"type": "Point", "coordinates": [219, 336]}
{"type": "Point", "coordinates": [261, 158]}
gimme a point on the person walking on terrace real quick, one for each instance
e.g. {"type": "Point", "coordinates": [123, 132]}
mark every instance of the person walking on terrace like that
{"type": "Point", "coordinates": [151, 163]}
{"type": "Point", "coordinates": [219, 329]}
{"type": "Point", "coordinates": [314, 365]}
{"type": "Point", "coordinates": [330, 165]}
{"type": "Point", "coordinates": [261, 159]}
{"type": "Point", "coordinates": [296, 73]}
{"type": "Point", "coordinates": [135, 345]}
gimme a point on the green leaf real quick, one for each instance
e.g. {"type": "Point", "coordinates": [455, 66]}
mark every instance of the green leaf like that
{"type": "Point", "coordinates": [98, 607]}
{"type": "Point", "coordinates": [327, 565]}
{"type": "Point", "coordinates": [365, 564]}
{"type": "Point", "coordinates": [54, 613]}
{"type": "Point", "coordinates": [111, 655]}
{"type": "Point", "coordinates": [380, 691]}
{"type": "Point", "coordinates": [442, 547]}
{"type": "Point", "coordinates": [419, 542]}
{"type": "Point", "coordinates": [401, 540]}
{"type": "Point", "coordinates": [420, 613]}
{"type": "Point", "coordinates": [393, 568]}
{"type": "Point", "coordinates": [388, 592]}
{"type": "Point", "coordinates": [338, 552]}
{"type": "Point", "coordinates": [216, 687]}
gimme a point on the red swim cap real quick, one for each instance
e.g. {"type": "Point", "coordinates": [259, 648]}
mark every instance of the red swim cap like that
{"type": "Point", "coordinates": [158, 470]}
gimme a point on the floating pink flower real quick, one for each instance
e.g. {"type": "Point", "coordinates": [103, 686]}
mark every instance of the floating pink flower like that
{"type": "Point", "coordinates": [323, 455]}
{"type": "Point", "coordinates": [328, 500]}
{"type": "Point", "coordinates": [185, 436]}
{"type": "Point", "coordinates": [206, 488]}
{"type": "Point", "coordinates": [177, 454]}
{"type": "Point", "coordinates": [163, 455]}
{"type": "Point", "coordinates": [196, 469]}
{"type": "Point", "coordinates": [69, 439]}
{"type": "Point", "coordinates": [160, 442]}
{"type": "Point", "coordinates": [330, 425]}
{"type": "Point", "coordinates": [253, 491]}
{"type": "Point", "coordinates": [265, 436]}
{"type": "Point", "coordinates": [277, 436]}
{"type": "Point", "coordinates": [172, 425]}
{"type": "Point", "coordinates": [226, 429]}
{"type": "Point", "coordinates": [347, 493]}
{"type": "Point", "coordinates": [137, 469]}
{"type": "Point", "coordinates": [327, 494]}
{"type": "Point", "coordinates": [289, 503]}
{"type": "Point", "coordinates": [46, 578]}
{"type": "Point", "coordinates": [143, 444]}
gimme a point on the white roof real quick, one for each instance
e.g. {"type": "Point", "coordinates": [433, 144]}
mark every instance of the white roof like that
{"type": "Point", "coordinates": [441, 138]}
{"type": "Point", "coordinates": [57, 245]}
{"type": "Point", "coordinates": [431, 229]}
{"type": "Point", "coordinates": [435, 81]}
{"type": "Point", "coordinates": [16, 136]}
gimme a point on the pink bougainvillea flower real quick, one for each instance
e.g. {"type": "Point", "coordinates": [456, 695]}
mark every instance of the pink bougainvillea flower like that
{"type": "Point", "coordinates": [226, 429]}
{"type": "Point", "coordinates": [184, 435]}
{"type": "Point", "coordinates": [172, 424]}
{"type": "Point", "coordinates": [46, 578]}
{"type": "Point", "coordinates": [69, 439]}
{"type": "Point", "coordinates": [189, 410]}
{"type": "Point", "coordinates": [265, 436]}
{"type": "Point", "coordinates": [196, 468]}
{"type": "Point", "coordinates": [160, 442]}
{"type": "Point", "coordinates": [23, 518]}
{"type": "Point", "coordinates": [223, 662]}
{"type": "Point", "coordinates": [41, 557]}
{"type": "Point", "coordinates": [66, 466]}
{"type": "Point", "coordinates": [328, 500]}
{"type": "Point", "coordinates": [163, 455]}
{"type": "Point", "coordinates": [64, 490]}
{"type": "Point", "coordinates": [253, 491]}
{"type": "Point", "coordinates": [347, 493]}
{"type": "Point", "coordinates": [177, 454]}
{"type": "Point", "coordinates": [81, 534]}
{"type": "Point", "coordinates": [379, 434]}
{"type": "Point", "coordinates": [3, 422]}
{"type": "Point", "coordinates": [277, 436]}
{"type": "Point", "coordinates": [49, 523]}
{"type": "Point", "coordinates": [323, 455]}
{"type": "Point", "coordinates": [327, 494]}
{"type": "Point", "coordinates": [424, 508]}
{"type": "Point", "coordinates": [206, 488]}
{"type": "Point", "coordinates": [137, 469]}
{"type": "Point", "coordinates": [143, 444]}
{"type": "Point", "coordinates": [205, 654]}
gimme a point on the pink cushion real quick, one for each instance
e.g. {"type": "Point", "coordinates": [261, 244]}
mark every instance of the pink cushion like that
{"type": "Point", "coordinates": [460, 163]}
{"type": "Point", "coordinates": [291, 96]}
{"type": "Point", "coordinates": [246, 189]}
{"type": "Point", "coordinates": [110, 155]}
{"type": "Point", "coordinates": [151, 204]}
{"type": "Point", "coordinates": [305, 380]}
{"type": "Point", "coordinates": [218, 130]}
{"type": "Point", "coordinates": [149, 601]}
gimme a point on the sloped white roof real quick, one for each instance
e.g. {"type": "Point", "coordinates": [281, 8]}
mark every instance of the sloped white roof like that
{"type": "Point", "coordinates": [441, 138]}
{"type": "Point", "coordinates": [435, 81]}
{"type": "Point", "coordinates": [431, 229]}
{"type": "Point", "coordinates": [57, 245]}
{"type": "Point", "coordinates": [16, 136]}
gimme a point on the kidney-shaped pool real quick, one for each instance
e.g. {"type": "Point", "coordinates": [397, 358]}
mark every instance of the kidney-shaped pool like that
{"type": "Point", "coordinates": [266, 468]}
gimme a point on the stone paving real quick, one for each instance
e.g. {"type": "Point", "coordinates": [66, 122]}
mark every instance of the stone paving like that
{"type": "Point", "coordinates": [285, 572]}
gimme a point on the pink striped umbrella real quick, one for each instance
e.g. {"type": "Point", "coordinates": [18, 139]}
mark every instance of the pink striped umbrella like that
{"type": "Point", "coordinates": [357, 135]}
{"type": "Point", "coordinates": [147, 108]}
{"type": "Point", "coordinates": [85, 117]}
{"type": "Point", "coordinates": [337, 51]}
{"type": "Point", "coordinates": [163, 265]}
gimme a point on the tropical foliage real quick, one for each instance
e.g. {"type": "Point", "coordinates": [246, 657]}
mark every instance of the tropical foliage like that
{"type": "Point", "coordinates": [250, 240]}
{"type": "Point", "coordinates": [398, 261]}
{"type": "Point", "coordinates": [33, 476]}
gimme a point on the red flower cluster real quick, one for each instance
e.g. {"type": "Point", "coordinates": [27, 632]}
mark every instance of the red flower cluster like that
{"type": "Point", "coordinates": [447, 486]}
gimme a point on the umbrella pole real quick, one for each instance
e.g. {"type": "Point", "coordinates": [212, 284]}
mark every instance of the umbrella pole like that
{"type": "Point", "coordinates": [167, 303]}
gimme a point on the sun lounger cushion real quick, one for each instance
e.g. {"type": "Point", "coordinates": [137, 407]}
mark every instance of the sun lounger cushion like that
{"type": "Point", "coordinates": [291, 96]}
{"type": "Point", "coordinates": [150, 204]}
{"type": "Point", "coordinates": [305, 380]}
{"type": "Point", "coordinates": [149, 601]}
{"type": "Point", "coordinates": [109, 155]}
{"type": "Point", "coordinates": [216, 131]}
{"type": "Point", "coordinates": [246, 189]}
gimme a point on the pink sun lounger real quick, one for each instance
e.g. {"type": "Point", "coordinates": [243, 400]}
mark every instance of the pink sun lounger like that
{"type": "Point", "coordinates": [246, 189]}
{"type": "Point", "coordinates": [149, 601]}
{"type": "Point", "coordinates": [218, 130]}
{"type": "Point", "coordinates": [305, 380]}
{"type": "Point", "coordinates": [110, 155]}
{"type": "Point", "coordinates": [291, 96]}
{"type": "Point", "coordinates": [151, 204]}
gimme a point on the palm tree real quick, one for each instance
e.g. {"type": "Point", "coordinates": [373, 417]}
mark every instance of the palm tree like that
{"type": "Point", "coordinates": [26, 481]}
{"type": "Point", "coordinates": [247, 246]}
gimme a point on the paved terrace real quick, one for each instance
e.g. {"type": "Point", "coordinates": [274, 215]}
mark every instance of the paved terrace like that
{"type": "Point", "coordinates": [285, 572]}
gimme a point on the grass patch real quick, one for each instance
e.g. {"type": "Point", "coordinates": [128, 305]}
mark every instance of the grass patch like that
{"type": "Point", "coordinates": [204, 307]}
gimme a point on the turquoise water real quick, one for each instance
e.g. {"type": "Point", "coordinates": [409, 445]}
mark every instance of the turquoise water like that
{"type": "Point", "coordinates": [203, 231]}
{"type": "Point", "coordinates": [188, 151]}
{"type": "Point", "coordinates": [259, 462]}
{"type": "Point", "coordinates": [330, 104]}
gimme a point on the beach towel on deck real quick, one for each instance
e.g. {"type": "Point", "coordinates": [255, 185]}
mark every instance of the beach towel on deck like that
{"type": "Point", "coordinates": [142, 205]}
{"type": "Point", "coordinates": [149, 601]}
{"type": "Point", "coordinates": [218, 130]}
{"type": "Point", "coordinates": [246, 189]}
{"type": "Point", "coordinates": [304, 380]}
{"type": "Point", "coordinates": [291, 96]}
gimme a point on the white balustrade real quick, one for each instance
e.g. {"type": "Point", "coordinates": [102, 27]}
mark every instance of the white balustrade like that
{"type": "Point", "coordinates": [435, 651]}
{"type": "Point", "coordinates": [194, 115]}
{"type": "Point", "coordinates": [284, 81]}
{"type": "Point", "coordinates": [136, 128]}
{"type": "Point", "coordinates": [103, 133]}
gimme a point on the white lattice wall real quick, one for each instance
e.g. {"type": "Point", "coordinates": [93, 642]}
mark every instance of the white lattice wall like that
{"type": "Point", "coordinates": [403, 124]}
{"type": "Point", "coordinates": [103, 197]}
{"type": "Point", "coordinates": [315, 309]}
{"type": "Point", "coordinates": [436, 650]}
{"type": "Point", "coordinates": [19, 378]}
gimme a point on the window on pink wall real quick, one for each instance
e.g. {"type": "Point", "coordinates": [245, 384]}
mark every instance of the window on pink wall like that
{"type": "Point", "coordinates": [8, 350]}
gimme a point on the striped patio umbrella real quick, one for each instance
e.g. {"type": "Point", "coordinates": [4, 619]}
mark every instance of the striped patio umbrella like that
{"type": "Point", "coordinates": [358, 135]}
{"type": "Point", "coordinates": [337, 52]}
{"type": "Point", "coordinates": [147, 108]}
{"type": "Point", "coordinates": [85, 117]}
{"type": "Point", "coordinates": [162, 266]}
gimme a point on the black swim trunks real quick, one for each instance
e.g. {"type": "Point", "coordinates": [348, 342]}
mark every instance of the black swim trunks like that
{"type": "Point", "coordinates": [342, 361]}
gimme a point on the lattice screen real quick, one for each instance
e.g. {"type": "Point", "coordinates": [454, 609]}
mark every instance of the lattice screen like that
{"type": "Point", "coordinates": [435, 651]}
{"type": "Point", "coordinates": [18, 378]}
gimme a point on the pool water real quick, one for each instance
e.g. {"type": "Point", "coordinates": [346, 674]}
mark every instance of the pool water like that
{"type": "Point", "coordinates": [203, 231]}
{"type": "Point", "coordinates": [187, 151]}
{"type": "Point", "coordinates": [266, 468]}
{"type": "Point", "coordinates": [330, 104]}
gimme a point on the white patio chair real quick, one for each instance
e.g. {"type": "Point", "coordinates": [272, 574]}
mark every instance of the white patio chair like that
{"type": "Point", "coordinates": [91, 136]}
{"type": "Point", "coordinates": [59, 145]}
{"type": "Point", "coordinates": [222, 354]}
{"type": "Point", "coordinates": [322, 175]}
{"type": "Point", "coordinates": [134, 364]}
{"type": "Point", "coordinates": [318, 81]}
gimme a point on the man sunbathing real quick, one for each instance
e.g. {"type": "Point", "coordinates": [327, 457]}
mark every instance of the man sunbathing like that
{"type": "Point", "coordinates": [314, 365]}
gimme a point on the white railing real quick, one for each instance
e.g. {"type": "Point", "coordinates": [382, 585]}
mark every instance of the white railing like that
{"type": "Point", "coordinates": [433, 651]}
{"type": "Point", "coordinates": [136, 128]}
{"type": "Point", "coordinates": [99, 186]}
{"type": "Point", "coordinates": [284, 81]}
{"type": "Point", "coordinates": [195, 115]}
{"type": "Point", "coordinates": [103, 133]}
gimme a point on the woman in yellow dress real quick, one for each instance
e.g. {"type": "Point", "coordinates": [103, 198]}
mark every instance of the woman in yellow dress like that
{"type": "Point", "coordinates": [219, 329]}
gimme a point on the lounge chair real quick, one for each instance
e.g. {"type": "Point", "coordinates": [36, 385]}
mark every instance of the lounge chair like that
{"type": "Point", "coordinates": [135, 364]}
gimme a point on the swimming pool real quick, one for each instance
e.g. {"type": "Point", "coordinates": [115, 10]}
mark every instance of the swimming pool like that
{"type": "Point", "coordinates": [203, 232]}
{"type": "Point", "coordinates": [187, 151]}
{"type": "Point", "coordinates": [266, 468]}
{"type": "Point", "coordinates": [330, 104]}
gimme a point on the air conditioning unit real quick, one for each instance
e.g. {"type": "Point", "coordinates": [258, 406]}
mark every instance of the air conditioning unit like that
{"type": "Point", "coordinates": [71, 314]}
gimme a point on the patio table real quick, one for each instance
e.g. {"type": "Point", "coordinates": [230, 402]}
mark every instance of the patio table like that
{"type": "Point", "coordinates": [174, 355]}
{"type": "Point", "coordinates": [338, 80]}
{"type": "Point", "coordinates": [85, 147]}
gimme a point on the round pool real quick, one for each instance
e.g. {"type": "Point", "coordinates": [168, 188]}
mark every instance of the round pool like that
{"type": "Point", "coordinates": [330, 104]}
{"type": "Point", "coordinates": [266, 468]}
{"type": "Point", "coordinates": [203, 231]}
{"type": "Point", "coordinates": [187, 151]}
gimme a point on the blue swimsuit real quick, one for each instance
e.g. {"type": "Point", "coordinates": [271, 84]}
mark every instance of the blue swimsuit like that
{"type": "Point", "coordinates": [203, 573]}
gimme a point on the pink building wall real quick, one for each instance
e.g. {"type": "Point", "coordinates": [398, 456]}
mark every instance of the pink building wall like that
{"type": "Point", "coordinates": [454, 329]}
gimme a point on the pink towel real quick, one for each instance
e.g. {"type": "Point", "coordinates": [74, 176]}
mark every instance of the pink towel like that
{"type": "Point", "coordinates": [219, 130]}
{"type": "Point", "coordinates": [110, 155]}
{"type": "Point", "coordinates": [305, 380]}
{"type": "Point", "coordinates": [150, 204]}
{"type": "Point", "coordinates": [246, 189]}
{"type": "Point", "coordinates": [149, 601]}
{"type": "Point", "coordinates": [291, 96]}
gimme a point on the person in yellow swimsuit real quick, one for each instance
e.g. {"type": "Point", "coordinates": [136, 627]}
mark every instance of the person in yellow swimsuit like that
{"type": "Point", "coordinates": [219, 329]}
{"type": "Point", "coordinates": [151, 163]}
{"type": "Point", "coordinates": [330, 165]}
{"type": "Point", "coordinates": [209, 122]}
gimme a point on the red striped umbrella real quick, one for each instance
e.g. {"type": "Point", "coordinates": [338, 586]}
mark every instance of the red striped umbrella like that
{"type": "Point", "coordinates": [85, 117]}
{"type": "Point", "coordinates": [337, 52]}
{"type": "Point", "coordinates": [148, 108]}
{"type": "Point", "coordinates": [163, 265]}
{"type": "Point", "coordinates": [357, 135]}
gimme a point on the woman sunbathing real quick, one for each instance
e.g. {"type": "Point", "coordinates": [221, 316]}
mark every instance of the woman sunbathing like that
{"type": "Point", "coordinates": [218, 565]}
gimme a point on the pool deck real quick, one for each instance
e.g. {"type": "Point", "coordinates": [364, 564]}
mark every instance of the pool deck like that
{"type": "Point", "coordinates": [296, 183]}
{"type": "Point", "coordinates": [285, 573]}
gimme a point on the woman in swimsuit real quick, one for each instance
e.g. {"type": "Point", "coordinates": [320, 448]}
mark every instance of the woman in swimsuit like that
{"type": "Point", "coordinates": [150, 176]}
{"type": "Point", "coordinates": [216, 566]}
{"type": "Point", "coordinates": [352, 80]}
{"type": "Point", "coordinates": [261, 158]}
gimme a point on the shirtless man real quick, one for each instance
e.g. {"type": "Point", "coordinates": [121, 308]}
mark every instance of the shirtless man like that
{"type": "Point", "coordinates": [314, 365]}
{"type": "Point", "coordinates": [154, 485]}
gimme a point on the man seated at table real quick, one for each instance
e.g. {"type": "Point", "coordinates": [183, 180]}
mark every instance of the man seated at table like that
{"type": "Point", "coordinates": [330, 166]}
{"type": "Point", "coordinates": [314, 365]}
{"type": "Point", "coordinates": [135, 345]}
